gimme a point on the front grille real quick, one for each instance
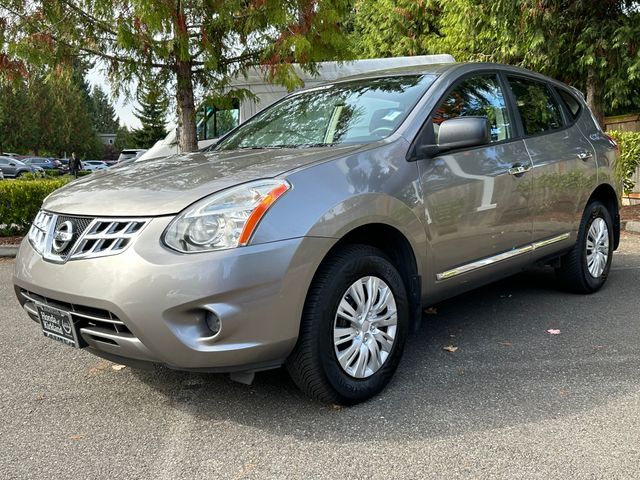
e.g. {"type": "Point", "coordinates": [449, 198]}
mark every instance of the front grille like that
{"type": "Point", "coordinates": [83, 316]}
{"type": "Point", "coordinates": [59, 238]}
{"type": "Point", "coordinates": [106, 237]}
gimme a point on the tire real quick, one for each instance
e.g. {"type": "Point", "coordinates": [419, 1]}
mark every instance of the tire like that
{"type": "Point", "coordinates": [19, 174]}
{"type": "Point", "coordinates": [313, 364]}
{"type": "Point", "coordinates": [576, 273]}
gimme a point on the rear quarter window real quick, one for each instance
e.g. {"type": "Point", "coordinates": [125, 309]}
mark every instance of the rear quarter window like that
{"type": "Point", "coordinates": [570, 102]}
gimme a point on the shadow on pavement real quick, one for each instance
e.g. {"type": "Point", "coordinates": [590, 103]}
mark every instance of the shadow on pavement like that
{"type": "Point", "coordinates": [507, 369]}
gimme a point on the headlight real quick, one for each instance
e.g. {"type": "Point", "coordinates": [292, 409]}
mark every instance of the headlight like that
{"type": "Point", "coordinates": [225, 219]}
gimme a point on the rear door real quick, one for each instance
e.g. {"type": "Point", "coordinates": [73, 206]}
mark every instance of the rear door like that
{"type": "Point", "coordinates": [477, 212]}
{"type": "Point", "coordinates": [564, 164]}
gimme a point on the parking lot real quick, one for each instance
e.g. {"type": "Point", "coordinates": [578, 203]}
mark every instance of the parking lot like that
{"type": "Point", "coordinates": [511, 402]}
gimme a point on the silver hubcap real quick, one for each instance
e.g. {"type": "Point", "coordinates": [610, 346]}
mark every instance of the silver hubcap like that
{"type": "Point", "coordinates": [365, 327]}
{"type": "Point", "coordinates": [597, 247]}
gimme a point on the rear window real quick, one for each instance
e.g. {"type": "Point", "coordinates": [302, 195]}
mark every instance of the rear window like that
{"type": "Point", "coordinates": [538, 108]}
{"type": "Point", "coordinates": [573, 106]}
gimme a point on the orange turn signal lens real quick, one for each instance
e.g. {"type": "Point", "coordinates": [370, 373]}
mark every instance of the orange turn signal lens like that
{"type": "Point", "coordinates": [259, 211]}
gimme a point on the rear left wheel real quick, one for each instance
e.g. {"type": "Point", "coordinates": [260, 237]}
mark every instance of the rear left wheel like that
{"type": "Point", "coordinates": [353, 328]}
{"type": "Point", "coordinates": [585, 268]}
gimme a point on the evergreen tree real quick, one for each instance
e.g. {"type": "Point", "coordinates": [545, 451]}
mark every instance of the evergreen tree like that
{"type": "Point", "coordinates": [152, 115]}
{"type": "Point", "coordinates": [593, 45]}
{"type": "Point", "coordinates": [103, 113]}
{"type": "Point", "coordinates": [46, 113]}
{"type": "Point", "coordinates": [124, 139]}
{"type": "Point", "coordinates": [189, 44]}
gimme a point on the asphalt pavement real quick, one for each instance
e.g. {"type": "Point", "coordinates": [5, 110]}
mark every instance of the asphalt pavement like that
{"type": "Point", "coordinates": [513, 401]}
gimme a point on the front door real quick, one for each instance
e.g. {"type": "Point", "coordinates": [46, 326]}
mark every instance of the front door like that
{"type": "Point", "coordinates": [476, 202]}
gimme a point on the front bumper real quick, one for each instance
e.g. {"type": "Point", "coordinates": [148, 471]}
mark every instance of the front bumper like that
{"type": "Point", "coordinates": [149, 303]}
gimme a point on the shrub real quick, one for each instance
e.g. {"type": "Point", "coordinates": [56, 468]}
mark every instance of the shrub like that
{"type": "Point", "coordinates": [52, 172]}
{"type": "Point", "coordinates": [629, 143]}
{"type": "Point", "coordinates": [20, 201]}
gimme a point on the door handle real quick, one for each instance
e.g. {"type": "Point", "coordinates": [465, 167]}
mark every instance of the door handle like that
{"type": "Point", "coordinates": [584, 156]}
{"type": "Point", "coordinates": [518, 170]}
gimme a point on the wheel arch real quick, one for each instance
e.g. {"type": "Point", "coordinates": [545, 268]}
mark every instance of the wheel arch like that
{"type": "Point", "coordinates": [400, 251]}
{"type": "Point", "coordinates": [606, 194]}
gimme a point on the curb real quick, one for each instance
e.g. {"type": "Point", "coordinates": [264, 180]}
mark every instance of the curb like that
{"type": "Point", "coordinates": [632, 226]}
{"type": "Point", "coordinates": [9, 250]}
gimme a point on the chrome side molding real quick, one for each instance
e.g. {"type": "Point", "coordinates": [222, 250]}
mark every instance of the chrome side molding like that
{"type": "Point", "coordinates": [469, 267]}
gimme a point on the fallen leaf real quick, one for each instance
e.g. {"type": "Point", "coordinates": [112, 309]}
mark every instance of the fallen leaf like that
{"type": "Point", "coordinates": [450, 348]}
{"type": "Point", "coordinates": [41, 397]}
{"type": "Point", "coordinates": [75, 437]}
{"type": "Point", "coordinates": [506, 344]}
{"type": "Point", "coordinates": [100, 366]}
{"type": "Point", "coordinates": [335, 406]}
{"type": "Point", "coordinates": [118, 367]}
{"type": "Point", "coordinates": [553, 331]}
{"type": "Point", "coordinates": [431, 311]}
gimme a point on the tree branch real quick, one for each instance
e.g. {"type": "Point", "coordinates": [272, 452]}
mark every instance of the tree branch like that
{"type": "Point", "coordinates": [103, 25]}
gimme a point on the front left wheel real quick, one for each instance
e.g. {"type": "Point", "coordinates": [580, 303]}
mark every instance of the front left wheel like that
{"type": "Point", "coordinates": [353, 327]}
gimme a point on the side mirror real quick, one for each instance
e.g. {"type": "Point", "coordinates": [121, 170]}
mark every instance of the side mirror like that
{"type": "Point", "coordinates": [459, 132]}
{"type": "Point", "coordinates": [12, 164]}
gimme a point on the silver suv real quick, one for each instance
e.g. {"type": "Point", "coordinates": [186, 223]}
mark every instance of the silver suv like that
{"type": "Point", "coordinates": [313, 235]}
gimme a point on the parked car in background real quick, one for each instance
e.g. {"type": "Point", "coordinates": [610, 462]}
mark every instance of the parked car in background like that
{"type": "Point", "coordinates": [8, 154]}
{"type": "Point", "coordinates": [93, 165]}
{"type": "Point", "coordinates": [64, 165]}
{"type": "Point", "coordinates": [42, 162]}
{"type": "Point", "coordinates": [13, 168]}
{"type": "Point", "coordinates": [313, 235]}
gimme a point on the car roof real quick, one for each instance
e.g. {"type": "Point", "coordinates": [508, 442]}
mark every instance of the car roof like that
{"type": "Point", "coordinates": [445, 68]}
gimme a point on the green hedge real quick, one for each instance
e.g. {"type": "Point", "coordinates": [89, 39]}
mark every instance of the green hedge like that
{"type": "Point", "coordinates": [629, 143]}
{"type": "Point", "coordinates": [20, 201]}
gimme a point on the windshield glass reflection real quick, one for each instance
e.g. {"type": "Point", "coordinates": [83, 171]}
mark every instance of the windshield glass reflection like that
{"type": "Point", "coordinates": [348, 112]}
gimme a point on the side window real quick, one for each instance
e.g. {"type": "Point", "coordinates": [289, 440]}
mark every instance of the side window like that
{"type": "Point", "coordinates": [538, 109]}
{"type": "Point", "coordinates": [573, 106]}
{"type": "Point", "coordinates": [479, 96]}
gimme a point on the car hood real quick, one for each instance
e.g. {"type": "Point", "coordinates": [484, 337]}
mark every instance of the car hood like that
{"type": "Point", "coordinates": [168, 185]}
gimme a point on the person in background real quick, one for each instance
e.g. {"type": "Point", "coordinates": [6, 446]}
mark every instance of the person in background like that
{"type": "Point", "coordinates": [74, 165]}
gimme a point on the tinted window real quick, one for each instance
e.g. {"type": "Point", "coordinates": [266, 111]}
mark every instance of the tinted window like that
{"type": "Point", "coordinates": [538, 109]}
{"type": "Point", "coordinates": [573, 106]}
{"type": "Point", "coordinates": [479, 96]}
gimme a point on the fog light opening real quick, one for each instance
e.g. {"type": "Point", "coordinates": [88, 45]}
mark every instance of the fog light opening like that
{"type": "Point", "coordinates": [213, 322]}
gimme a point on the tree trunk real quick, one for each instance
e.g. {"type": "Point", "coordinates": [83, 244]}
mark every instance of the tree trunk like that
{"type": "Point", "coordinates": [594, 95]}
{"type": "Point", "coordinates": [187, 137]}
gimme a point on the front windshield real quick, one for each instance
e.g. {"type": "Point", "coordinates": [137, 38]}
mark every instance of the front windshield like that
{"type": "Point", "coordinates": [347, 112]}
